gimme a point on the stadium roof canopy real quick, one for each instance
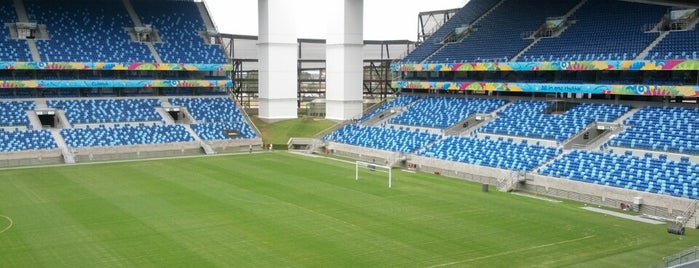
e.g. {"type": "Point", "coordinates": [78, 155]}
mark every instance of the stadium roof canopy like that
{"type": "Point", "coordinates": [676, 3]}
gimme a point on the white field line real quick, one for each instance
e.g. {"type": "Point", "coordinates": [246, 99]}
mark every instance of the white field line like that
{"type": "Point", "coordinates": [9, 226]}
{"type": "Point", "coordinates": [512, 251]}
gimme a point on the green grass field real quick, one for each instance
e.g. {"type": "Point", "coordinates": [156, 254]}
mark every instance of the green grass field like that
{"type": "Point", "coordinates": [283, 210]}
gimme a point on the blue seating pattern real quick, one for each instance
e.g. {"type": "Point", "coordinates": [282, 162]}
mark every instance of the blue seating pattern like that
{"type": "Point", "coordinates": [214, 116]}
{"type": "Point", "coordinates": [86, 31]}
{"type": "Point", "coordinates": [527, 119]}
{"type": "Point", "coordinates": [13, 113]}
{"type": "Point", "coordinates": [216, 131]}
{"type": "Point", "coordinates": [670, 129]}
{"type": "Point", "coordinates": [498, 35]}
{"type": "Point", "coordinates": [400, 101]}
{"type": "Point", "coordinates": [629, 172]}
{"type": "Point", "coordinates": [26, 140]}
{"type": "Point", "coordinates": [389, 139]}
{"type": "Point", "coordinates": [108, 110]}
{"type": "Point", "coordinates": [179, 23]}
{"type": "Point", "coordinates": [677, 45]}
{"type": "Point", "coordinates": [126, 135]}
{"type": "Point", "coordinates": [443, 112]}
{"type": "Point", "coordinates": [485, 152]}
{"type": "Point", "coordinates": [11, 50]}
{"type": "Point", "coordinates": [466, 15]}
{"type": "Point", "coordinates": [604, 30]}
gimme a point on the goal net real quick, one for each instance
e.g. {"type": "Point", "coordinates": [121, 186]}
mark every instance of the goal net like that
{"type": "Point", "coordinates": [372, 167]}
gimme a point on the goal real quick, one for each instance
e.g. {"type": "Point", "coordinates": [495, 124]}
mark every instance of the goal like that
{"type": "Point", "coordinates": [372, 167]}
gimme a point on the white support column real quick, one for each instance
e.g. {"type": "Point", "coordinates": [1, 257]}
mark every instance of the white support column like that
{"type": "Point", "coordinates": [344, 59]}
{"type": "Point", "coordinates": [278, 58]}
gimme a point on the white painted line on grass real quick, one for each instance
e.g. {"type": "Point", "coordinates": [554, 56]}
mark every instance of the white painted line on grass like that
{"type": "Point", "coordinates": [9, 226]}
{"type": "Point", "coordinates": [622, 215]}
{"type": "Point", "coordinates": [513, 251]}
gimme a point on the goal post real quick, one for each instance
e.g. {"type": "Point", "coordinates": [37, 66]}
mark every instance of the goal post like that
{"type": "Point", "coordinates": [372, 167]}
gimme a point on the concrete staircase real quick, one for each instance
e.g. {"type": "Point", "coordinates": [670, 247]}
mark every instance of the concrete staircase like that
{"type": "Point", "coordinates": [68, 156]}
{"type": "Point", "coordinates": [166, 117]}
{"type": "Point", "coordinates": [652, 45]}
{"type": "Point", "coordinates": [204, 145]}
{"type": "Point", "coordinates": [22, 17]}
{"type": "Point", "coordinates": [138, 23]}
{"type": "Point", "coordinates": [34, 120]}
{"type": "Point", "coordinates": [132, 12]}
{"type": "Point", "coordinates": [476, 21]}
{"type": "Point", "coordinates": [204, 12]}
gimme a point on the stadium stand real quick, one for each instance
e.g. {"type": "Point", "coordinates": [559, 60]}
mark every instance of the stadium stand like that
{"type": "Point", "coordinates": [215, 116]}
{"type": "Point", "coordinates": [604, 30]}
{"type": "Point", "coordinates": [11, 50]}
{"type": "Point", "coordinates": [26, 140]}
{"type": "Point", "coordinates": [677, 45]}
{"type": "Point", "coordinates": [498, 35]}
{"type": "Point", "coordinates": [486, 152]}
{"type": "Point", "coordinates": [125, 135]}
{"type": "Point", "coordinates": [12, 113]}
{"type": "Point", "coordinates": [179, 23]}
{"type": "Point", "coordinates": [465, 16]}
{"type": "Point", "coordinates": [389, 139]}
{"type": "Point", "coordinates": [630, 172]}
{"type": "Point", "coordinates": [669, 129]}
{"type": "Point", "coordinates": [442, 112]}
{"type": "Point", "coordinates": [86, 111]}
{"type": "Point", "coordinates": [86, 31]}
{"type": "Point", "coordinates": [528, 119]}
{"type": "Point", "coordinates": [401, 101]}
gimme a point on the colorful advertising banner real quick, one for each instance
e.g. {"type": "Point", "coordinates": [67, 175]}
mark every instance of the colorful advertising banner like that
{"type": "Point", "coordinates": [638, 90]}
{"type": "Point", "coordinates": [660, 65]}
{"type": "Point", "coordinates": [114, 66]}
{"type": "Point", "coordinates": [114, 83]}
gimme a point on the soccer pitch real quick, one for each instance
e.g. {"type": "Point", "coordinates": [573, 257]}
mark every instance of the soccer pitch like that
{"type": "Point", "coordinates": [284, 210]}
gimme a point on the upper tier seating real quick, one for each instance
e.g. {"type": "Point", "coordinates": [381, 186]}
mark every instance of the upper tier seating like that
{"type": "Point", "coordinates": [179, 23]}
{"type": "Point", "coordinates": [527, 119]}
{"type": "Point", "coordinates": [13, 113]}
{"type": "Point", "coordinates": [630, 172]}
{"type": "Point", "coordinates": [604, 30]}
{"type": "Point", "coordinates": [498, 35]}
{"type": "Point", "coordinates": [443, 112]}
{"type": "Point", "coordinates": [108, 110]}
{"type": "Point", "coordinates": [11, 50]}
{"type": "Point", "coordinates": [670, 129]}
{"type": "Point", "coordinates": [86, 31]}
{"type": "Point", "coordinates": [389, 139]}
{"type": "Point", "coordinates": [126, 135]}
{"type": "Point", "coordinates": [214, 116]}
{"type": "Point", "coordinates": [26, 140]}
{"type": "Point", "coordinates": [677, 45]}
{"type": "Point", "coordinates": [498, 154]}
{"type": "Point", "coordinates": [465, 16]}
{"type": "Point", "coordinates": [400, 101]}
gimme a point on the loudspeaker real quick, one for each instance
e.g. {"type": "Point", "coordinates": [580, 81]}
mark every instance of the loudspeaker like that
{"type": "Point", "coordinates": [485, 187]}
{"type": "Point", "coordinates": [675, 229]}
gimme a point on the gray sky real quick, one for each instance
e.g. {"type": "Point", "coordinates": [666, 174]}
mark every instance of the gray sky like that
{"type": "Point", "coordinates": [383, 19]}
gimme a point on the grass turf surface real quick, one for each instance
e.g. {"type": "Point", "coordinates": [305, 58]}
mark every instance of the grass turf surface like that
{"type": "Point", "coordinates": [284, 210]}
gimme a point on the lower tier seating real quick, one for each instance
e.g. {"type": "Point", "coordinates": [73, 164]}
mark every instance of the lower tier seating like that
{"type": "Point", "coordinates": [484, 152]}
{"type": "Point", "coordinates": [127, 135]}
{"type": "Point", "coordinates": [629, 172]}
{"type": "Point", "coordinates": [217, 131]}
{"type": "Point", "coordinates": [389, 139]}
{"type": "Point", "coordinates": [26, 140]}
{"type": "Point", "coordinates": [670, 129]}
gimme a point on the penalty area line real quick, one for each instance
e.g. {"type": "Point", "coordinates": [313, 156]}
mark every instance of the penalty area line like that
{"type": "Point", "coordinates": [512, 251]}
{"type": "Point", "coordinates": [9, 226]}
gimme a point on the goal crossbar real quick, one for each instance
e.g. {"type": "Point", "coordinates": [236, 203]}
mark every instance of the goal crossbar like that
{"type": "Point", "coordinates": [372, 167]}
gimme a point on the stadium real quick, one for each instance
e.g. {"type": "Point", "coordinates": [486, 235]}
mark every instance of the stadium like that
{"type": "Point", "coordinates": [527, 133]}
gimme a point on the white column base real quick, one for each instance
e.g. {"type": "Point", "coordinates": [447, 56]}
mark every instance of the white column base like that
{"type": "Point", "coordinates": [272, 110]}
{"type": "Point", "coordinates": [343, 110]}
